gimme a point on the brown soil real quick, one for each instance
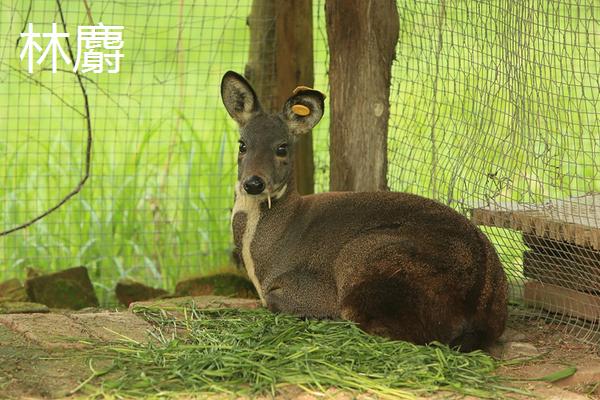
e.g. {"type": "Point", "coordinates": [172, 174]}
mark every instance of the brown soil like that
{"type": "Point", "coordinates": [558, 350]}
{"type": "Point", "coordinates": [28, 371]}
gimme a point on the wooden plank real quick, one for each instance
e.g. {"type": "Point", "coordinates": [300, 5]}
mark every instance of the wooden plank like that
{"type": "Point", "coordinates": [561, 249]}
{"type": "Point", "coordinates": [562, 263]}
{"type": "Point", "coordinates": [562, 300]}
{"type": "Point", "coordinates": [561, 271]}
{"type": "Point", "coordinates": [575, 220]}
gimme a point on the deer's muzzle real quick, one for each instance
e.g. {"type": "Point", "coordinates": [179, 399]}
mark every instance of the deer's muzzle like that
{"type": "Point", "coordinates": [254, 185]}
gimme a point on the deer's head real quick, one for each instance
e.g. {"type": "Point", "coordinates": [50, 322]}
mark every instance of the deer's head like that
{"type": "Point", "coordinates": [266, 150]}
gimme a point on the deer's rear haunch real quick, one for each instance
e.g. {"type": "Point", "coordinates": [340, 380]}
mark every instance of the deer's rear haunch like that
{"type": "Point", "coordinates": [399, 265]}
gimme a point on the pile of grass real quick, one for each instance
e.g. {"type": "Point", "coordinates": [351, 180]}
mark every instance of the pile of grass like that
{"type": "Point", "coordinates": [255, 352]}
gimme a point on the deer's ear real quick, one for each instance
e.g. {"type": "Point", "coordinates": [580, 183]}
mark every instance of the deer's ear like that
{"type": "Point", "coordinates": [239, 98]}
{"type": "Point", "coordinates": [304, 109]}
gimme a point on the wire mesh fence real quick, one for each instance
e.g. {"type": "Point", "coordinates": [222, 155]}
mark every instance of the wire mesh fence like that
{"type": "Point", "coordinates": [157, 204]}
{"type": "Point", "coordinates": [496, 114]}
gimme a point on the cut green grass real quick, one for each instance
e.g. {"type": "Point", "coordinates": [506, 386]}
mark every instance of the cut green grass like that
{"type": "Point", "coordinates": [255, 352]}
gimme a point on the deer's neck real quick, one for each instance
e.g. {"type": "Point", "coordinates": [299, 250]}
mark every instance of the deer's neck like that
{"type": "Point", "coordinates": [246, 215]}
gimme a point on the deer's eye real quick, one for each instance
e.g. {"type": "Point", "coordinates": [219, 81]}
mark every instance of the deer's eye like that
{"type": "Point", "coordinates": [243, 148]}
{"type": "Point", "coordinates": [282, 150]}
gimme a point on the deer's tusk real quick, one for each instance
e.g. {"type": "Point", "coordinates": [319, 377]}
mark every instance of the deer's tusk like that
{"type": "Point", "coordinates": [269, 199]}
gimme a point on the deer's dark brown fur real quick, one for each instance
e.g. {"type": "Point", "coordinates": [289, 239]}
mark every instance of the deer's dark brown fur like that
{"type": "Point", "coordinates": [399, 265]}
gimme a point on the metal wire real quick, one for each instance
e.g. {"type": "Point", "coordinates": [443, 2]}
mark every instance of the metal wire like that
{"type": "Point", "coordinates": [495, 113]}
{"type": "Point", "coordinates": [156, 207]}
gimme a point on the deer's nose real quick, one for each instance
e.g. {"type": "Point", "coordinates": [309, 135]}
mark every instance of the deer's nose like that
{"type": "Point", "coordinates": [254, 185]}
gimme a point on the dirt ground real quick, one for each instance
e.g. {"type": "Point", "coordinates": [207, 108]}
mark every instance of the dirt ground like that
{"type": "Point", "coordinates": [557, 350]}
{"type": "Point", "coordinates": [47, 355]}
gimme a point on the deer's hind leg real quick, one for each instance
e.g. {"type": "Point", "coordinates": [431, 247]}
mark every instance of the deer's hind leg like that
{"type": "Point", "coordinates": [391, 293]}
{"type": "Point", "coordinates": [384, 307]}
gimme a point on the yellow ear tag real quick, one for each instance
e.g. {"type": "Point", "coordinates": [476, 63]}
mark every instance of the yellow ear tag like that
{"type": "Point", "coordinates": [300, 110]}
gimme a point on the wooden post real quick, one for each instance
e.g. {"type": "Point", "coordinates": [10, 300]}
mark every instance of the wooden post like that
{"type": "Point", "coordinates": [260, 69]}
{"type": "Point", "coordinates": [280, 59]}
{"type": "Point", "coordinates": [362, 38]}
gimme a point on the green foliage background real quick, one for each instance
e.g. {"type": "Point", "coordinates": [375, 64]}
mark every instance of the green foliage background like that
{"type": "Point", "coordinates": [491, 102]}
{"type": "Point", "coordinates": [157, 205]}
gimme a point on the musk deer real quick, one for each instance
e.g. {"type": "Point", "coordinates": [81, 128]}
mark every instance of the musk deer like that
{"type": "Point", "coordinates": [397, 264]}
